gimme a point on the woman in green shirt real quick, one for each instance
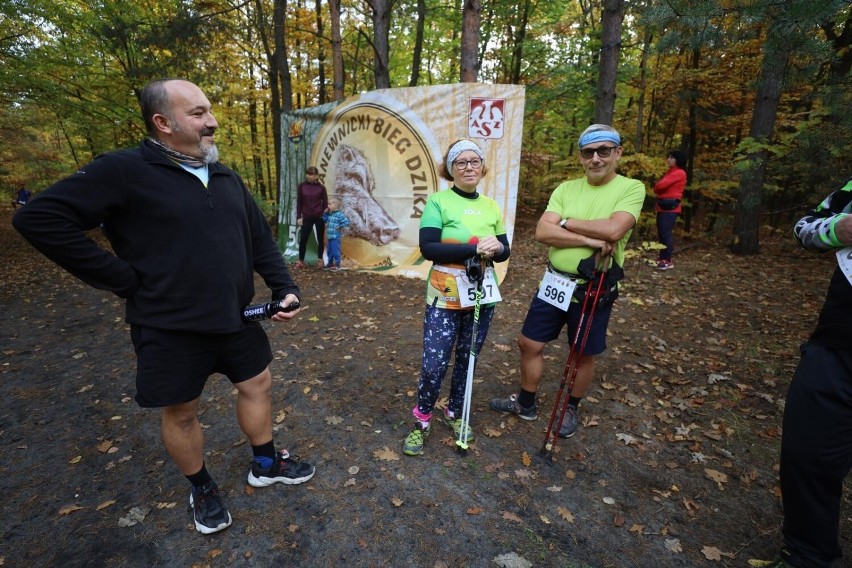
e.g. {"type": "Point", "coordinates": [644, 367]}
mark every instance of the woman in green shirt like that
{"type": "Point", "coordinates": [457, 224]}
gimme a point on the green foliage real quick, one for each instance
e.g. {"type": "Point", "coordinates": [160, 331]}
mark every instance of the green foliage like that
{"type": "Point", "coordinates": [642, 167]}
{"type": "Point", "coordinates": [269, 207]}
{"type": "Point", "coordinates": [71, 73]}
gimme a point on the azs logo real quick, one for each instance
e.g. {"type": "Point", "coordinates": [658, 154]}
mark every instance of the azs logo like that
{"type": "Point", "coordinates": [485, 118]}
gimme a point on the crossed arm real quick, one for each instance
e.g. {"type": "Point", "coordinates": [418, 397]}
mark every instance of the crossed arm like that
{"type": "Point", "coordinates": [597, 233]}
{"type": "Point", "coordinates": [843, 230]}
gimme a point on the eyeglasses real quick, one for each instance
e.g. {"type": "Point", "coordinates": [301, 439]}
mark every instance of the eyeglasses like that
{"type": "Point", "coordinates": [603, 152]}
{"type": "Point", "coordinates": [462, 165]}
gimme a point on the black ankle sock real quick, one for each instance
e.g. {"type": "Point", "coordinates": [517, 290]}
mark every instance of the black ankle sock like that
{"type": "Point", "coordinates": [526, 398]}
{"type": "Point", "coordinates": [264, 454]}
{"type": "Point", "coordinates": [574, 401]}
{"type": "Point", "coordinates": [201, 478]}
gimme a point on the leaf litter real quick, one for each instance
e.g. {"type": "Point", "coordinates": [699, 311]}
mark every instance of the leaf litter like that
{"type": "Point", "coordinates": [695, 374]}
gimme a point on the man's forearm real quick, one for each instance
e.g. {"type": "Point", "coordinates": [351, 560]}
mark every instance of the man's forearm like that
{"type": "Point", "coordinates": [610, 230]}
{"type": "Point", "coordinates": [551, 234]}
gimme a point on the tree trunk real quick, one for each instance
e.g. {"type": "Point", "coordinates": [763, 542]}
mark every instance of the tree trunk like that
{"type": "Point", "coordinates": [693, 196]}
{"type": "Point", "coordinates": [471, 17]}
{"type": "Point", "coordinates": [613, 13]}
{"type": "Point", "coordinates": [416, 60]}
{"type": "Point", "coordinates": [257, 162]}
{"type": "Point", "coordinates": [256, 154]}
{"type": "Point", "coordinates": [274, 92]}
{"type": "Point", "coordinates": [519, 39]}
{"type": "Point", "coordinates": [746, 237]}
{"type": "Point", "coordinates": [381, 46]}
{"type": "Point", "coordinates": [320, 52]}
{"type": "Point", "coordinates": [643, 85]}
{"type": "Point", "coordinates": [279, 58]}
{"type": "Point", "coordinates": [266, 161]}
{"type": "Point", "coordinates": [336, 51]}
{"type": "Point", "coordinates": [297, 61]}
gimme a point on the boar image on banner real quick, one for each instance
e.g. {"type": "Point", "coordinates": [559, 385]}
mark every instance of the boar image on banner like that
{"type": "Point", "coordinates": [354, 184]}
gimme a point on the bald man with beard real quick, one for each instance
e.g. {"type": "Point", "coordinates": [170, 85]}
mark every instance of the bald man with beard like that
{"type": "Point", "coordinates": [187, 238]}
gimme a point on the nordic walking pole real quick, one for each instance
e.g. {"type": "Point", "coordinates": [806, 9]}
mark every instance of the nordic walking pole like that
{"type": "Point", "coordinates": [572, 364]}
{"type": "Point", "coordinates": [471, 361]}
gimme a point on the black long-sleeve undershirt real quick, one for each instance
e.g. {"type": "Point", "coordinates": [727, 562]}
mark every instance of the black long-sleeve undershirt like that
{"type": "Point", "coordinates": [433, 249]}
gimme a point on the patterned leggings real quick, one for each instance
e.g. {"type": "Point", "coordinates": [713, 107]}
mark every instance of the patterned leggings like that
{"type": "Point", "coordinates": [442, 329]}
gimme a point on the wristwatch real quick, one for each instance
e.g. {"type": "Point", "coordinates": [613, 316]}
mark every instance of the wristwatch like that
{"type": "Point", "coordinates": [562, 222]}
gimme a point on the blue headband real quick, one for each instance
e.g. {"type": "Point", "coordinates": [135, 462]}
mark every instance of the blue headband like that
{"type": "Point", "coordinates": [599, 136]}
{"type": "Point", "coordinates": [458, 148]}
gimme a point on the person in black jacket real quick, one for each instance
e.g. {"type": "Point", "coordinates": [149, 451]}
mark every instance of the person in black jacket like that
{"type": "Point", "coordinates": [188, 237]}
{"type": "Point", "coordinates": [816, 439]}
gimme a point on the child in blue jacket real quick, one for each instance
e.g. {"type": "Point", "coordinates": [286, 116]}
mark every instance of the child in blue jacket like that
{"type": "Point", "coordinates": [335, 222]}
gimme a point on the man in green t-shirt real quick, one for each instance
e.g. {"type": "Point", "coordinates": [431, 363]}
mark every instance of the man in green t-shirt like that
{"type": "Point", "coordinates": [590, 215]}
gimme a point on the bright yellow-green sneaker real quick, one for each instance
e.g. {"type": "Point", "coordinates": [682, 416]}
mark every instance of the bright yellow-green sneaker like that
{"type": "Point", "coordinates": [413, 444]}
{"type": "Point", "coordinates": [456, 425]}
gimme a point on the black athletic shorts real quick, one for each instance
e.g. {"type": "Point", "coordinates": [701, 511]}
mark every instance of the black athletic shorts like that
{"type": "Point", "coordinates": [173, 366]}
{"type": "Point", "coordinates": [545, 322]}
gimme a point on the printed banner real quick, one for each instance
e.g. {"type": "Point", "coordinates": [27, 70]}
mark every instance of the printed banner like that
{"type": "Point", "coordinates": [379, 153]}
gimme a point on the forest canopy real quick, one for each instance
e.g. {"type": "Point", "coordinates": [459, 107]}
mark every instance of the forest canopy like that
{"type": "Point", "coordinates": [756, 92]}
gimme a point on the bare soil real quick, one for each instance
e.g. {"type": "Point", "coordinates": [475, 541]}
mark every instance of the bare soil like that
{"type": "Point", "coordinates": [675, 463]}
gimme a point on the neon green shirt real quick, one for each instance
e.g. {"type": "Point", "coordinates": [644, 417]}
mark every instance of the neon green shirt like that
{"type": "Point", "coordinates": [459, 219]}
{"type": "Point", "coordinates": [577, 199]}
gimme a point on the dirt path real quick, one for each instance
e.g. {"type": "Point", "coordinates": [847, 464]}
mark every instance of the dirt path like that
{"type": "Point", "coordinates": [675, 464]}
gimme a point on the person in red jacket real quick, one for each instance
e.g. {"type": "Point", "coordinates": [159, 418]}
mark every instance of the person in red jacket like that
{"type": "Point", "coordinates": [669, 191]}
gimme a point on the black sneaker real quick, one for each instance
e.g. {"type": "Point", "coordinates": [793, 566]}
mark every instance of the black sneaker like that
{"type": "Point", "coordinates": [209, 513]}
{"type": "Point", "coordinates": [510, 406]}
{"type": "Point", "coordinates": [283, 470]}
{"type": "Point", "coordinates": [569, 422]}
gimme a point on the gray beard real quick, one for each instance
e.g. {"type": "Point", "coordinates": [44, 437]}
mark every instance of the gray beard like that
{"type": "Point", "coordinates": [211, 154]}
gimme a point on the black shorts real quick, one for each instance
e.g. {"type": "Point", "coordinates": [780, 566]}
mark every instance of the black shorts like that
{"type": "Point", "coordinates": [544, 323]}
{"type": "Point", "coordinates": [172, 366]}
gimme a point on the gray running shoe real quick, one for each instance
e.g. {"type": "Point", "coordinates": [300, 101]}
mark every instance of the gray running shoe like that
{"type": "Point", "coordinates": [569, 422]}
{"type": "Point", "coordinates": [510, 406]}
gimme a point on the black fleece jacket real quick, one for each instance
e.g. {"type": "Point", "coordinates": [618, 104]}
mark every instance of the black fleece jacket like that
{"type": "Point", "coordinates": [184, 255]}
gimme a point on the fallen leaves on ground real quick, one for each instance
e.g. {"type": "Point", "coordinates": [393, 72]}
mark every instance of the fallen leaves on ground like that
{"type": "Point", "coordinates": [511, 560]}
{"type": "Point", "coordinates": [134, 515]}
{"type": "Point", "coordinates": [565, 514]}
{"type": "Point", "coordinates": [626, 438]}
{"type": "Point", "coordinates": [713, 553]}
{"type": "Point", "coordinates": [68, 509]}
{"type": "Point", "coordinates": [510, 516]}
{"type": "Point", "coordinates": [386, 454]}
{"type": "Point", "coordinates": [718, 477]}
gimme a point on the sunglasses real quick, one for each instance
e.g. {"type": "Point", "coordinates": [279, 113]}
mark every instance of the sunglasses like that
{"type": "Point", "coordinates": [603, 152]}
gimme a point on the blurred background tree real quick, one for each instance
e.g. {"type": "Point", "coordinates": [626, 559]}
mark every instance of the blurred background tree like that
{"type": "Point", "coordinates": [756, 92]}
